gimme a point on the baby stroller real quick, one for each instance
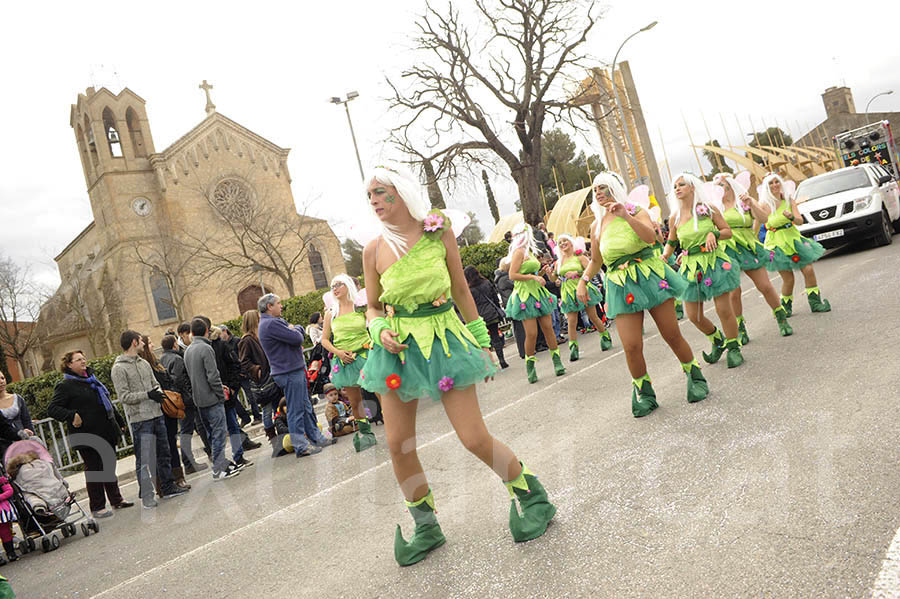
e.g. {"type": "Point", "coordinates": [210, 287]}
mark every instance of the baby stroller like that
{"type": "Point", "coordinates": [41, 497]}
{"type": "Point", "coordinates": [317, 371]}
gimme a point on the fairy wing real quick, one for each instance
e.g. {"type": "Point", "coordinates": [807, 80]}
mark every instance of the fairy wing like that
{"type": "Point", "coordinates": [329, 301]}
{"type": "Point", "coordinates": [364, 231]}
{"type": "Point", "coordinates": [714, 193]}
{"type": "Point", "coordinates": [789, 188]}
{"type": "Point", "coordinates": [743, 178]}
{"type": "Point", "coordinates": [459, 220]}
{"type": "Point", "coordinates": [360, 297]}
{"type": "Point", "coordinates": [579, 245]}
{"type": "Point", "coordinates": [640, 196]}
{"type": "Point", "coordinates": [654, 213]}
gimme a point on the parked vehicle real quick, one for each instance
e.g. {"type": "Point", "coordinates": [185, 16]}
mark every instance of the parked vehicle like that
{"type": "Point", "coordinates": [850, 204]}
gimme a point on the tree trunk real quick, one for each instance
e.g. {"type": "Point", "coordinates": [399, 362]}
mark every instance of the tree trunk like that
{"type": "Point", "coordinates": [434, 191]}
{"type": "Point", "coordinates": [528, 181]}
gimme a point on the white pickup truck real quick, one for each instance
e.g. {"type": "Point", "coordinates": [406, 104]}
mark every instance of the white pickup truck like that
{"type": "Point", "coordinates": [850, 204]}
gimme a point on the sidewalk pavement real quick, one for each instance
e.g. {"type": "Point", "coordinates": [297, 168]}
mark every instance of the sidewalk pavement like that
{"type": "Point", "coordinates": [126, 472]}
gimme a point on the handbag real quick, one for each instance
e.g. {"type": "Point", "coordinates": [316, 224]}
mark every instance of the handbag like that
{"type": "Point", "coordinates": [172, 404]}
{"type": "Point", "coordinates": [267, 391]}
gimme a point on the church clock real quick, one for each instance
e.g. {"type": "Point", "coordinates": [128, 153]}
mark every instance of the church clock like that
{"type": "Point", "coordinates": [141, 206]}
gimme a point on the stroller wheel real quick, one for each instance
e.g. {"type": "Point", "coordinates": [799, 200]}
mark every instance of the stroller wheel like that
{"type": "Point", "coordinates": [93, 525]}
{"type": "Point", "coordinates": [72, 530]}
{"type": "Point", "coordinates": [64, 529]}
{"type": "Point", "coordinates": [31, 544]}
{"type": "Point", "coordinates": [45, 544]}
{"type": "Point", "coordinates": [84, 529]}
{"type": "Point", "coordinates": [54, 542]}
{"type": "Point", "coordinates": [23, 548]}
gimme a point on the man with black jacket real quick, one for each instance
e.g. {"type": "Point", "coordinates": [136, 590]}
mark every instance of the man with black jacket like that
{"type": "Point", "coordinates": [231, 341]}
{"type": "Point", "coordinates": [173, 361]}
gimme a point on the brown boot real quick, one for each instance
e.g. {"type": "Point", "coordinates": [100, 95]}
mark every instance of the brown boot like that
{"type": "Point", "coordinates": [270, 432]}
{"type": "Point", "coordinates": [178, 476]}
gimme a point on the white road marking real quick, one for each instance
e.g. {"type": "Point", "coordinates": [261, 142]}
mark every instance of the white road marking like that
{"type": "Point", "coordinates": [323, 492]}
{"type": "Point", "coordinates": [887, 585]}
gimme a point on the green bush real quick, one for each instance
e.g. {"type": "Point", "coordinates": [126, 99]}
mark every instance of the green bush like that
{"type": "Point", "coordinates": [234, 325]}
{"type": "Point", "coordinates": [484, 257]}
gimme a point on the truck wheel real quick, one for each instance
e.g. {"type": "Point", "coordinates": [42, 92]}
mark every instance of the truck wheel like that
{"type": "Point", "coordinates": [884, 235]}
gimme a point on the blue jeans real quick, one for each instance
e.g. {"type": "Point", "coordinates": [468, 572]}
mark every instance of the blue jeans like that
{"type": "Point", "coordinates": [151, 456]}
{"type": "Point", "coordinates": [234, 434]}
{"type": "Point", "coordinates": [251, 399]}
{"type": "Point", "coordinates": [300, 418]}
{"type": "Point", "coordinates": [268, 411]}
{"type": "Point", "coordinates": [213, 420]}
{"type": "Point", "coordinates": [555, 317]}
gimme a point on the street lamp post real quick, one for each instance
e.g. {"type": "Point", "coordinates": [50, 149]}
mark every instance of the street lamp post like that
{"type": "Point", "coordinates": [336, 100]}
{"type": "Point", "coordinates": [632, 155]}
{"type": "Point", "coordinates": [869, 103]}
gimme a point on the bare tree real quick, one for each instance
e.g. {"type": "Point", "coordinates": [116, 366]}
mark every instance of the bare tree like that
{"type": "Point", "coordinates": [165, 255]}
{"type": "Point", "coordinates": [533, 45]}
{"type": "Point", "coordinates": [255, 234]}
{"type": "Point", "coordinates": [20, 304]}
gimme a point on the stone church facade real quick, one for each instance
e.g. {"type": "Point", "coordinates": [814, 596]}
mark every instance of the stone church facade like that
{"type": "Point", "coordinates": [201, 227]}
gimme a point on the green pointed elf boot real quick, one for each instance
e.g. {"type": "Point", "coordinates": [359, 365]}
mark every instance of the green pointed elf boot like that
{"type": "Point", "coordinates": [783, 326]}
{"type": "Point", "coordinates": [742, 330]}
{"type": "Point", "coordinates": [557, 362]}
{"type": "Point", "coordinates": [427, 536]}
{"type": "Point", "coordinates": [364, 437]}
{"type": "Point", "coordinates": [605, 340]}
{"type": "Point", "coordinates": [679, 309]}
{"type": "Point", "coordinates": [536, 509]}
{"type": "Point", "coordinates": [787, 302]}
{"type": "Point", "coordinates": [643, 397]}
{"type": "Point", "coordinates": [816, 303]}
{"type": "Point", "coordinates": [734, 357]}
{"type": "Point", "coordinates": [718, 347]}
{"type": "Point", "coordinates": [697, 387]}
{"type": "Point", "coordinates": [573, 351]}
{"type": "Point", "coordinates": [531, 369]}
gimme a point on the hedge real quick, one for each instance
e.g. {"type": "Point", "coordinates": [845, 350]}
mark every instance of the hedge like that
{"type": "Point", "coordinates": [484, 257]}
{"type": "Point", "coordinates": [295, 310]}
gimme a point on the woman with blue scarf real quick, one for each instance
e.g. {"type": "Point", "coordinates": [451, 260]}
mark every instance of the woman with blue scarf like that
{"type": "Point", "coordinates": [94, 427]}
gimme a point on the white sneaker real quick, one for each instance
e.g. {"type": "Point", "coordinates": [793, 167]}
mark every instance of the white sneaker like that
{"type": "Point", "coordinates": [230, 471]}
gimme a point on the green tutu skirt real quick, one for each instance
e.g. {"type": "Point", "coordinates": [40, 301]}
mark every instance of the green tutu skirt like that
{"type": "Point", "coordinates": [415, 377]}
{"type": "Point", "coordinates": [347, 375]}
{"type": "Point", "coordinates": [533, 307]}
{"type": "Point", "coordinates": [569, 301]}
{"type": "Point", "coordinates": [645, 293]}
{"type": "Point", "coordinates": [709, 283]}
{"type": "Point", "coordinates": [748, 259]}
{"type": "Point", "coordinates": [806, 251]}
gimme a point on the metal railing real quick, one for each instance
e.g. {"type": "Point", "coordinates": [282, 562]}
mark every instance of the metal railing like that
{"type": "Point", "coordinates": [53, 433]}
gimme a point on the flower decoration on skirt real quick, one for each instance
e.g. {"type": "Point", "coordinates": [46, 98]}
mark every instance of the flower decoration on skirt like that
{"type": "Point", "coordinates": [707, 281]}
{"type": "Point", "coordinates": [726, 266]}
{"type": "Point", "coordinates": [771, 256]}
{"type": "Point", "coordinates": [335, 369]}
{"type": "Point", "coordinates": [664, 284]}
{"type": "Point", "coordinates": [445, 384]}
{"type": "Point", "coordinates": [537, 305]}
{"type": "Point", "coordinates": [699, 276]}
{"type": "Point", "coordinates": [522, 306]}
{"type": "Point", "coordinates": [393, 381]}
{"type": "Point", "coordinates": [795, 258]}
{"type": "Point", "coordinates": [629, 299]}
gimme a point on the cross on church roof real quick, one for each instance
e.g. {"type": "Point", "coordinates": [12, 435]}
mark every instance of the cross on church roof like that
{"type": "Point", "coordinates": [210, 107]}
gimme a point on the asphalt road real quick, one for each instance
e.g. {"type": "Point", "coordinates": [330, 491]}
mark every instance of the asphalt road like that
{"type": "Point", "coordinates": [783, 483]}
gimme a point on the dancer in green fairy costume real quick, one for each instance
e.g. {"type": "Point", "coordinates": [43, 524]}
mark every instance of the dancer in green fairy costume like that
{"type": "Point", "coordinates": [569, 268]}
{"type": "Point", "coordinates": [350, 347]}
{"type": "Point", "coordinates": [710, 274]}
{"type": "Point", "coordinates": [530, 302]}
{"type": "Point", "coordinates": [636, 280]}
{"type": "Point", "coordinates": [743, 215]}
{"type": "Point", "coordinates": [422, 348]}
{"type": "Point", "coordinates": [788, 249]}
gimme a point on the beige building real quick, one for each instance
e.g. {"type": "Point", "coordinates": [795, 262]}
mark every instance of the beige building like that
{"type": "Point", "coordinates": [841, 116]}
{"type": "Point", "coordinates": [201, 227]}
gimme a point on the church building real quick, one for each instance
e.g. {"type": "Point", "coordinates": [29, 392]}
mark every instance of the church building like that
{"type": "Point", "coordinates": [204, 226]}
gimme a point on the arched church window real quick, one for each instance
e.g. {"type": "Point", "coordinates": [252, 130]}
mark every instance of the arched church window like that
{"type": "Point", "coordinates": [162, 297]}
{"type": "Point", "coordinates": [320, 280]}
{"type": "Point", "coordinates": [112, 136]}
{"type": "Point", "coordinates": [91, 143]}
{"type": "Point", "coordinates": [135, 132]}
{"type": "Point", "coordinates": [233, 200]}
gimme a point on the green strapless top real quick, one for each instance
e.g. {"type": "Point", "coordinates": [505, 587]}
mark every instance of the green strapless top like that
{"type": "Point", "coordinates": [777, 219]}
{"type": "Point", "coordinates": [737, 219]}
{"type": "Point", "coordinates": [573, 264]}
{"type": "Point", "coordinates": [350, 332]}
{"type": "Point", "coordinates": [618, 240]}
{"type": "Point", "coordinates": [529, 266]}
{"type": "Point", "coordinates": [689, 238]}
{"type": "Point", "coordinates": [418, 277]}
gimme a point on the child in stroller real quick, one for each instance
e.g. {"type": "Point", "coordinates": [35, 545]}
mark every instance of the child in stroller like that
{"type": "Point", "coordinates": [317, 372]}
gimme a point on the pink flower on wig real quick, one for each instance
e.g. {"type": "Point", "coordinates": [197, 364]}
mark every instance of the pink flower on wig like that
{"type": "Point", "coordinates": [433, 222]}
{"type": "Point", "coordinates": [445, 384]}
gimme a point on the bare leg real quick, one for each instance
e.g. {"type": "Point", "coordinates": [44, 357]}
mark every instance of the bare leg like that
{"type": "Point", "coordinates": [355, 398]}
{"type": "Point", "coordinates": [737, 305]}
{"type": "Point", "coordinates": [572, 319]}
{"type": "Point", "coordinates": [400, 430]}
{"type": "Point", "coordinates": [630, 329]}
{"type": "Point", "coordinates": [530, 326]}
{"type": "Point", "coordinates": [787, 282]}
{"type": "Point", "coordinates": [694, 311]}
{"type": "Point", "coordinates": [461, 406]}
{"type": "Point", "coordinates": [809, 276]}
{"type": "Point", "coordinates": [726, 316]}
{"type": "Point", "coordinates": [761, 279]}
{"type": "Point", "coordinates": [595, 319]}
{"type": "Point", "coordinates": [546, 322]}
{"type": "Point", "coordinates": [667, 323]}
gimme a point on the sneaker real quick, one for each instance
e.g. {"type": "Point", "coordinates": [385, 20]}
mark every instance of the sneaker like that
{"type": "Point", "coordinates": [230, 471]}
{"type": "Point", "coordinates": [310, 450]}
{"type": "Point", "coordinates": [149, 504]}
{"type": "Point", "coordinates": [174, 491]}
{"type": "Point", "coordinates": [104, 513]}
{"type": "Point", "coordinates": [242, 463]}
{"type": "Point", "coordinates": [256, 421]}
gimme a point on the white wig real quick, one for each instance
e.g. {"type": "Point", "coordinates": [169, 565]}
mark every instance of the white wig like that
{"type": "Point", "coordinates": [701, 196]}
{"type": "Point", "coordinates": [736, 188]}
{"type": "Point", "coordinates": [523, 237]}
{"type": "Point", "coordinates": [558, 250]}
{"type": "Point", "coordinates": [616, 189]}
{"type": "Point", "coordinates": [352, 293]}
{"type": "Point", "coordinates": [410, 191]}
{"type": "Point", "coordinates": [766, 196]}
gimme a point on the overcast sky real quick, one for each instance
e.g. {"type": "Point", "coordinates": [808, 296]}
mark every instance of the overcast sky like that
{"type": "Point", "coordinates": [274, 66]}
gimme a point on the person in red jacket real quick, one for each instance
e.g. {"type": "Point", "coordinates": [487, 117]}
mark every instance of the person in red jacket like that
{"type": "Point", "coordinates": [7, 517]}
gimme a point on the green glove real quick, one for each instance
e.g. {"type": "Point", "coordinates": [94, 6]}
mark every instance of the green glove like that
{"type": "Point", "coordinates": [375, 327]}
{"type": "Point", "coordinates": [480, 332]}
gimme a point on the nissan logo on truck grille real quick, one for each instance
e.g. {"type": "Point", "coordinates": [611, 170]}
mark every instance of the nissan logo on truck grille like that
{"type": "Point", "coordinates": [825, 214]}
